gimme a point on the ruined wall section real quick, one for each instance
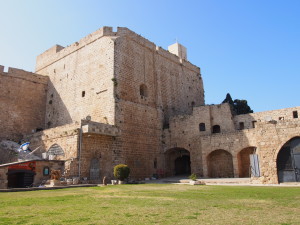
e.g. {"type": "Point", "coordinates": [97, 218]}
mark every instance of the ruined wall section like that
{"type": "Point", "coordinates": [80, 80]}
{"type": "Point", "coordinates": [22, 103]}
{"type": "Point", "coordinates": [251, 119]}
{"type": "Point", "coordinates": [140, 114]}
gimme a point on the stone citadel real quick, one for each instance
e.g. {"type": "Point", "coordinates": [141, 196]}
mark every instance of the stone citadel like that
{"type": "Point", "coordinates": [115, 97]}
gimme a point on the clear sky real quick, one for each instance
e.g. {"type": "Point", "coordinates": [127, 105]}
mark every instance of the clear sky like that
{"type": "Point", "coordinates": [249, 48]}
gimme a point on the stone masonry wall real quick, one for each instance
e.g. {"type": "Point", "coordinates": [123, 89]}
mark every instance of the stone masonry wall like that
{"type": "Point", "coordinates": [80, 80]}
{"type": "Point", "coordinates": [266, 138]}
{"type": "Point", "coordinates": [22, 103]}
{"type": "Point", "coordinates": [67, 137]}
{"type": "Point", "coordinates": [142, 115]}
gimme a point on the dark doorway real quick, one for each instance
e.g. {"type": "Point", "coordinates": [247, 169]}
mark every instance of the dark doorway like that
{"type": "Point", "coordinates": [95, 169]}
{"type": "Point", "coordinates": [288, 161]}
{"type": "Point", "coordinates": [183, 165]}
{"type": "Point", "coordinates": [20, 179]}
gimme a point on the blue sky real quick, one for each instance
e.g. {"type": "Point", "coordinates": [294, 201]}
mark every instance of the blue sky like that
{"type": "Point", "coordinates": [249, 48]}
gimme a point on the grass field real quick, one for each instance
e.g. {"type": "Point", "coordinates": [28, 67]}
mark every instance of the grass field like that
{"type": "Point", "coordinates": [153, 204]}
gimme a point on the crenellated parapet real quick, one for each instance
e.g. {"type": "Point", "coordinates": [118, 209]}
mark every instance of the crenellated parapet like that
{"type": "Point", "coordinates": [25, 75]}
{"type": "Point", "coordinates": [58, 52]}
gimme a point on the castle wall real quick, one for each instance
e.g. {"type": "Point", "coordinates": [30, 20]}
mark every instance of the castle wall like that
{"type": "Point", "coordinates": [19, 89]}
{"type": "Point", "coordinates": [266, 138]}
{"type": "Point", "coordinates": [100, 148]}
{"type": "Point", "coordinates": [80, 80]}
{"type": "Point", "coordinates": [141, 114]}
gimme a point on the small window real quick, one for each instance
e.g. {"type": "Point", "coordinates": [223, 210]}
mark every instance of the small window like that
{"type": "Point", "coordinates": [143, 90]}
{"type": "Point", "coordinates": [46, 171]}
{"type": "Point", "coordinates": [155, 163]}
{"type": "Point", "coordinates": [202, 127]}
{"type": "Point", "coordinates": [242, 126]}
{"type": "Point", "coordinates": [83, 94]}
{"type": "Point", "coordinates": [295, 114]}
{"type": "Point", "coordinates": [281, 118]}
{"type": "Point", "coordinates": [216, 129]}
{"type": "Point", "coordinates": [254, 123]}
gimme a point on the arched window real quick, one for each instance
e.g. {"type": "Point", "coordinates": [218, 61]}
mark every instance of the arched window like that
{"type": "Point", "coordinates": [202, 126]}
{"type": "Point", "coordinates": [143, 90]}
{"type": "Point", "coordinates": [216, 129]}
{"type": "Point", "coordinates": [56, 150]}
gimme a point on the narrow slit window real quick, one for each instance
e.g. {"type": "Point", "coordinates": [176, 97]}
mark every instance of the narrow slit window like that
{"type": "Point", "coordinates": [83, 94]}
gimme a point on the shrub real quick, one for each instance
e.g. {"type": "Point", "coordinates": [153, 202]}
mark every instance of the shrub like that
{"type": "Point", "coordinates": [121, 171]}
{"type": "Point", "coordinates": [193, 176]}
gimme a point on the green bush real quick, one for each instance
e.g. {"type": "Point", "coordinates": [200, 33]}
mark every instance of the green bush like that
{"type": "Point", "coordinates": [121, 171]}
{"type": "Point", "coordinates": [193, 176]}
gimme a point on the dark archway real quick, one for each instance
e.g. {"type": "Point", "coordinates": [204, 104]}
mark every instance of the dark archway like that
{"type": "Point", "coordinates": [288, 161]}
{"type": "Point", "coordinates": [177, 162]}
{"type": "Point", "coordinates": [220, 164]}
{"type": "Point", "coordinates": [244, 161]}
{"type": "Point", "coordinates": [183, 165]}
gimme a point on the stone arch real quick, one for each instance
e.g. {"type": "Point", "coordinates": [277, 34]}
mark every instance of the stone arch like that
{"type": "Point", "coordinates": [288, 161]}
{"type": "Point", "coordinates": [220, 164]}
{"type": "Point", "coordinates": [56, 150]}
{"type": "Point", "coordinates": [281, 143]}
{"type": "Point", "coordinates": [243, 158]}
{"type": "Point", "coordinates": [178, 162]}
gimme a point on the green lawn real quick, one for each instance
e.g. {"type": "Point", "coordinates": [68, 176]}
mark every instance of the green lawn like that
{"type": "Point", "coordinates": [153, 204]}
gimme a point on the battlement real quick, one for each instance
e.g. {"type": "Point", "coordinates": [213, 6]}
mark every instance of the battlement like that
{"type": "Point", "coordinates": [58, 52]}
{"type": "Point", "coordinates": [22, 74]}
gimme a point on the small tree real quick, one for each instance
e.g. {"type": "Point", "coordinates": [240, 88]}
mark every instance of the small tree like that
{"type": "Point", "coordinates": [239, 106]}
{"type": "Point", "coordinates": [193, 177]}
{"type": "Point", "coordinates": [121, 172]}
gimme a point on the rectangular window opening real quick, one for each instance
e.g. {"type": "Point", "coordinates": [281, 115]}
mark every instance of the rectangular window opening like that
{"type": "Point", "coordinates": [242, 126]}
{"type": "Point", "coordinates": [295, 114]}
{"type": "Point", "coordinates": [254, 123]}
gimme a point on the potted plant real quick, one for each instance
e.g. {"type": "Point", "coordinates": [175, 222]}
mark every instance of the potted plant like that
{"type": "Point", "coordinates": [193, 178]}
{"type": "Point", "coordinates": [121, 172]}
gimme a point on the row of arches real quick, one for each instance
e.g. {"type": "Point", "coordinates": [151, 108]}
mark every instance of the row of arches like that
{"type": "Point", "coordinates": [220, 162]}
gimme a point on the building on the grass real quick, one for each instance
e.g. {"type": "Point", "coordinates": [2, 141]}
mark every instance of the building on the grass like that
{"type": "Point", "coordinates": [29, 173]}
{"type": "Point", "coordinates": [115, 97]}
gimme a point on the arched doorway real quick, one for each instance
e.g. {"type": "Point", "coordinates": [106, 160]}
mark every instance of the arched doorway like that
{"type": "Point", "coordinates": [183, 165]}
{"type": "Point", "coordinates": [244, 161]}
{"type": "Point", "coordinates": [220, 164]}
{"type": "Point", "coordinates": [178, 162]}
{"type": "Point", "coordinates": [288, 161]}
